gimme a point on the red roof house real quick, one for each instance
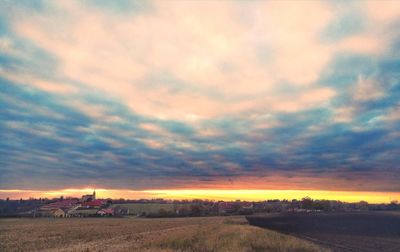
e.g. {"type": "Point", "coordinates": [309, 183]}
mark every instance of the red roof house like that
{"type": "Point", "coordinates": [68, 203]}
{"type": "Point", "coordinates": [106, 212]}
{"type": "Point", "coordinates": [93, 204]}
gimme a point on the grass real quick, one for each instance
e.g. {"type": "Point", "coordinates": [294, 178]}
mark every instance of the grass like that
{"type": "Point", "coordinates": [139, 208]}
{"type": "Point", "coordinates": [132, 234]}
{"type": "Point", "coordinates": [233, 237]}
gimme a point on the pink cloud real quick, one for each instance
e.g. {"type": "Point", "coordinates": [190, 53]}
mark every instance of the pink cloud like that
{"type": "Point", "coordinates": [115, 55]}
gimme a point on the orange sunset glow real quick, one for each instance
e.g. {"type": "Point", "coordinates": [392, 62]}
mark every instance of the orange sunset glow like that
{"type": "Point", "coordinates": [189, 194]}
{"type": "Point", "coordinates": [253, 101]}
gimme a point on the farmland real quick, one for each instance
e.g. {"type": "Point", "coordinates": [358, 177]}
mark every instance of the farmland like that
{"type": "Point", "coordinates": [136, 234]}
{"type": "Point", "coordinates": [139, 208]}
{"type": "Point", "coordinates": [354, 231]}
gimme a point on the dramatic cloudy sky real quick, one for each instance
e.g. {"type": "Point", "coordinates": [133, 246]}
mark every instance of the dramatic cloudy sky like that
{"type": "Point", "coordinates": [200, 94]}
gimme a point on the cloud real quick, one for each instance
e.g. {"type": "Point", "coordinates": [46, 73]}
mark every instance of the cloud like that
{"type": "Point", "coordinates": [383, 12]}
{"type": "Point", "coordinates": [393, 114]}
{"type": "Point", "coordinates": [115, 55]}
{"type": "Point", "coordinates": [366, 44]}
{"type": "Point", "coordinates": [148, 94]}
{"type": "Point", "coordinates": [344, 114]}
{"type": "Point", "coordinates": [305, 100]}
{"type": "Point", "coordinates": [367, 89]}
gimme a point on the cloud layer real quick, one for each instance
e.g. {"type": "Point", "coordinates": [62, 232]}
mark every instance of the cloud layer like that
{"type": "Point", "coordinates": [217, 94]}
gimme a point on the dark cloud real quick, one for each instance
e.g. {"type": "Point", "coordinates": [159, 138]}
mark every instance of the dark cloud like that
{"type": "Point", "coordinates": [59, 139]}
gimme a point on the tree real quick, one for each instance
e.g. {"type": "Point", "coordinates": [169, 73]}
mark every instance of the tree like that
{"type": "Point", "coordinates": [162, 212]}
{"type": "Point", "coordinates": [307, 203]}
{"type": "Point", "coordinates": [195, 210]}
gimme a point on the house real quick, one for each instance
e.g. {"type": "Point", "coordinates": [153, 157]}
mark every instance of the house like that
{"type": "Point", "coordinates": [118, 210]}
{"type": "Point", "coordinates": [93, 204]}
{"type": "Point", "coordinates": [226, 207]}
{"type": "Point", "coordinates": [54, 212]}
{"type": "Point", "coordinates": [58, 213]}
{"type": "Point", "coordinates": [58, 209]}
{"type": "Point", "coordinates": [68, 203]}
{"type": "Point", "coordinates": [247, 205]}
{"type": "Point", "coordinates": [106, 212]}
{"type": "Point", "coordinates": [83, 212]}
{"type": "Point", "coordinates": [88, 205]}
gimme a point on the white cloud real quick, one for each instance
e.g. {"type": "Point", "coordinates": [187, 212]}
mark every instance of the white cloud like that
{"type": "Point", "coordinates": [213, 53]}
{"type": "Point", "coordinates": [367, 89]}
{"type": "Point", "coordinates": [383, 12]}
{"type": "Point", "coordinates": [343, 114]}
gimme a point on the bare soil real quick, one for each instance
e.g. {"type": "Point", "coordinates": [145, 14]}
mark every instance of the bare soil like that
{"type": "Point", "coordinates": [356, 231]}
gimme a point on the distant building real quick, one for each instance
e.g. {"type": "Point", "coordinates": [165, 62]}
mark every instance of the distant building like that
{"type": "Point", "coordinates": [83, 212]}
{"type": "Point", "coordinates": [93, 204]}
{"type": "Point", "coordinates": [69, 203]}
{"type": "Point", "coordinates": [57, 209]}
{"type": "Point", "coordinates": [58, 213]}
{"type": "Point", "coordinates": [106, 212]}
{"type": "Point", "coordinates": [87, 206]}
{"type": "Point", "coordinates": [247, 205]}
{"type": "Point", "coordinates": [89, 197]}
{"type": "Point", "coordinates": [119, 211]}
{"type": "Point", "coordinates": [226, 207]}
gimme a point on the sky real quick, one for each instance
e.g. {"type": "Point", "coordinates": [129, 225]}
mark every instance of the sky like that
{"type": "Point", "coordinates": [202, 98]}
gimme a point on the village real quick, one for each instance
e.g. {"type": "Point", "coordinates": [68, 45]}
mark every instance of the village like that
{"type": "Point", "coordinates": [87, 206]}
{"type": "Point", "coordinates": [90, 206]}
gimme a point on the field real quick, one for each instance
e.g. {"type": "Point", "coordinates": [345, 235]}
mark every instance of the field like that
{"type": "Point", "coordinates": [135, 234]}
{"type": "Point", "coordinates": [139, 208]}
{"type": "Point", "coordinates": [358, 231]}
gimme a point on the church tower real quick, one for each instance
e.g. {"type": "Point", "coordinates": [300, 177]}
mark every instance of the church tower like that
{"type": "Point", "coordinates": [94, 194]}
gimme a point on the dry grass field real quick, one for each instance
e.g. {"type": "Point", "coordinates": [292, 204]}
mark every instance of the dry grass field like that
{"type": "Point", "coordinates": [138, 208]}
{"type": "Point", "coordinates": [134, 234]}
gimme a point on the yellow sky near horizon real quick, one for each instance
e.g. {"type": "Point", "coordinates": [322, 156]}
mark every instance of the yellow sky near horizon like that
{"type": "Point", "coordinates": [210, 194]}
{"type": "Point", "coordinates": [219, 100]}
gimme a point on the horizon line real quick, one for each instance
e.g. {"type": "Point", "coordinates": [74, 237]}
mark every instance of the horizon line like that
{"type": "Point", "coordinates": [209, 194]}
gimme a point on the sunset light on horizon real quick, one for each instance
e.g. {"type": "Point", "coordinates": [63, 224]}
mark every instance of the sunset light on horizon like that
{"type": "Point", "coordinates": [219, 100]}
{"type": "Point", "coordinates": [209, 194]}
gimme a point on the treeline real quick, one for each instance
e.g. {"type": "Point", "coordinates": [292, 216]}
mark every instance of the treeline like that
{"type": "Point", "coordinates": [309, 204]}
{"type": "Point", "coordinates": [192, 208]}
{"type": "Point", "coordinates": [332, 205]}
